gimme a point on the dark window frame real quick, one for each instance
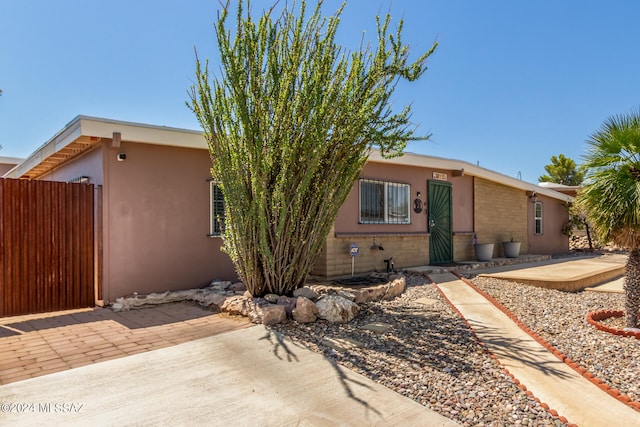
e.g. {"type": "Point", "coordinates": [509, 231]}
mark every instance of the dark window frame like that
{"type": "Point", "coordinates": [216, 209]}
{"type": "Point", "coordinates": [383, 202]}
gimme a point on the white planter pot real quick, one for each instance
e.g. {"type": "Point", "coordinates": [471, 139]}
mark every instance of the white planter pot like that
{"type": "Point", "coordinates": [511, 249]}
{"type": "Point", "coordinates": [484, 251]}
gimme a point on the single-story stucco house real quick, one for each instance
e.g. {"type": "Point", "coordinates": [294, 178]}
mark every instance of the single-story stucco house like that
{"type": "Point", "coordinates": [157, 221]}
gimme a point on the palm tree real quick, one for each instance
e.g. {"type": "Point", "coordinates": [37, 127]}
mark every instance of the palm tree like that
{"type": "Point", "coordinates": [611, 195]}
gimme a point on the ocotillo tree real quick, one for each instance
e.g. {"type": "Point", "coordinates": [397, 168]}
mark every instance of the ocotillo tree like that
{"type": "Point", "coordinates": [289, 123]}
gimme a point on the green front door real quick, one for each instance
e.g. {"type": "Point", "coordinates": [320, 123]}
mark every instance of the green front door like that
{"type": "Point", "coordinates": [440, 224]}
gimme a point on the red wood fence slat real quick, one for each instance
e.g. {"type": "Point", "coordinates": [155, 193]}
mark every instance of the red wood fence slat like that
{"type": "Point", "coordinates": [47, 248]}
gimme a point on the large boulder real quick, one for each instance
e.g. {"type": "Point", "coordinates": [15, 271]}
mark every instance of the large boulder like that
{"type": "Point", "coordinates": [305, 311]}
{"type": "Point", "coordinates": [337, 309]}
{"type": "Point", "coordinates": [268, 314]}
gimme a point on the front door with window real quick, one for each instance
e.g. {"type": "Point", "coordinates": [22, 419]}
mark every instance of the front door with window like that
{"type": "Point", "coordinates": [440, 222]}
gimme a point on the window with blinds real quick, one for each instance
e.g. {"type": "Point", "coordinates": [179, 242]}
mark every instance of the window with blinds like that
{"type": "Point", "coordinates": [216, 203]}
{"type": "Point", "coordinates": [384, 202]}
{"type": "Point", "coordinates": [538, 218]}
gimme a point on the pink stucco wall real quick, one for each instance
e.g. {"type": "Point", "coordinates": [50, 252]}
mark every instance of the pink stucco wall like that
{"type": "Point", "coordinates": [462, 194]}
{"type": "Point", "coordinates": [554, 217]}
{"type": "Point", "coordinates": [156, 220]}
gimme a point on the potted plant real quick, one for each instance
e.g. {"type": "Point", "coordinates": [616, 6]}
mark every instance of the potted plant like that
{"type": "Point", "coordinates": [511, 248]}
{"type": "Point", "coordinates": [484, 251]}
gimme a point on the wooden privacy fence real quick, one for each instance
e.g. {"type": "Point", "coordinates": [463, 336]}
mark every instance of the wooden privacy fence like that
{"type": "Point", "coordinates": [46, 246]}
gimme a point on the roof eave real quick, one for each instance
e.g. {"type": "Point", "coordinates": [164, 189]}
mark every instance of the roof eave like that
{"type": "Point", "coordinates": [84, 132]}
{"type": "Point", "coordinates": [466, 168]}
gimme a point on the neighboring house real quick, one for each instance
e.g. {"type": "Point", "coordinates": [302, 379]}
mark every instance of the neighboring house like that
{"type": "Point", "coordinates": [8, 163]}
{"type": "Point", "coordinates": [158, 210]}
{"type": "Point", "coordinates": [569, 190]}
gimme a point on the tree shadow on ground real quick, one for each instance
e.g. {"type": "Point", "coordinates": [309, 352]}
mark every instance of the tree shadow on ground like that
{"type": "Point", "coordinates": [421, 338]}
{"type": "Point", "coordinates": [282, 344]}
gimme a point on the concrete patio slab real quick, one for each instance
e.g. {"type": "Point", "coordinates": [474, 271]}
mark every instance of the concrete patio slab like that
{"type": "Point", "coordinates": [613, 286]}
{"type": "Point", "coordinates": [564, 274]}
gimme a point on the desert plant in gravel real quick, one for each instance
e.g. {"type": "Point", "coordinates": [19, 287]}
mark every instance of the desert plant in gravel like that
{"type": "Point", "coordinates": [611, 196]}
{"type": "Point", "coordinates": [289, 124]}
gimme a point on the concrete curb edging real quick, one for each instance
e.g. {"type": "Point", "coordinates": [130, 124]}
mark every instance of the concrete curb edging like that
{"type": "Point", "coordinates": [521, 386]}
{"type": "Point", "coordinates": [575, 366]}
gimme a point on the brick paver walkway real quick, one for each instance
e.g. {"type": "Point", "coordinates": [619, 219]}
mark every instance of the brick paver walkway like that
{"type": "Point", "coordinates": [41, 344]}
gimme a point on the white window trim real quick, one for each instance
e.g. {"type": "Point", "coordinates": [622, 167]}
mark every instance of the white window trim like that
{"type": "Point", "coordinates": [537, 218]}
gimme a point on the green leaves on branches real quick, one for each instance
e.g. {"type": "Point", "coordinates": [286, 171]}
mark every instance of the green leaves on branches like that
{"type": "Point", "coordinates": [289, 123]}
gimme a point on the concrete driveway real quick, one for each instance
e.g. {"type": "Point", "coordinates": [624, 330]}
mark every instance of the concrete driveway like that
{"type": "Point", "coordinates": [247, 377]}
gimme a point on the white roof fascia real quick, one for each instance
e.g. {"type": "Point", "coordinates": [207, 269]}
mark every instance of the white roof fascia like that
{"type": "Point", "coordinates": [104, 128]}
{"type": "Point", "coordinates": [143, 133]}
{"type": "Point", "coordinates": [422, 160]}
{"type": "Point", "coordinates": [60, 140]}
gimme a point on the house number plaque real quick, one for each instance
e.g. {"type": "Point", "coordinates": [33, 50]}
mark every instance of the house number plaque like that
{"type": "Point", "coordinates": [440, 176]}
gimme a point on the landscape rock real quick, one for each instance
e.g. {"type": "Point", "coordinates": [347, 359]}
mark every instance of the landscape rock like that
{"type": "Point", "coordinates": [337, 309]}
{"type": "Point", "coordinates": [305, 311]}
{"type": "Point", "coordinates": [237, 287]}
{"type": "Point", "coordinates": [288, 303]}
{"type": "Point", "coordinates": [307, 293]}
{"type": "Point", "coordinates": [272, 298]}
{"type": "Point", "coordinates": [268, 314]}
{"type": "Point", "coordinates": [346, 294]}
{"type": "Point", "coordinates": [215, 301]}
{"type": "Point", "coordinates": [387, 291]}
{"type": "Point", "coordinates": [238, 305]}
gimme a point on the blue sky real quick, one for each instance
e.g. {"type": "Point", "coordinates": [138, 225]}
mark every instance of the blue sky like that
{"type": "Point", "coordinates": [511, 84]}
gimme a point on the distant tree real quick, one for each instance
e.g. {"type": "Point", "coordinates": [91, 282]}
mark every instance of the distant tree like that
{"type": "Point", "coordinates": [562, 170]}
{"type": "Point", "coordinates": [611, 195]}
{"type": "Point", "coordinates": [289, 124]}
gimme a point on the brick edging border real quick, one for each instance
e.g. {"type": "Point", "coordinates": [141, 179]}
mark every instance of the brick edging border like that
{"type": "Point", "coordinates": [575, 366]}
{"type": "Point", "coordinates": [595, 316]}
{"type": "Point", "coordinates": [517, 382]}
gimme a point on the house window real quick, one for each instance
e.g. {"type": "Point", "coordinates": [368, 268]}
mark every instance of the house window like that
{"type": "Point", "coordinates": [383, 202]}
{"type": "Point", "coordinates": [216, 203]}
{"type": "Point", "coordinates": [538, 217]}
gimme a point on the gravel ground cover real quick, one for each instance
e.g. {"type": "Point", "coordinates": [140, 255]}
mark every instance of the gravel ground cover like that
{"type": "Point", "coordinates": [430, 355]}
{"type": "Point", "coordinates": [561, 319]}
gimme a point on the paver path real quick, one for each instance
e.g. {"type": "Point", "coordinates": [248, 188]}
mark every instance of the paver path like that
{"type": "Point", "coordinates": [40, 344]}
